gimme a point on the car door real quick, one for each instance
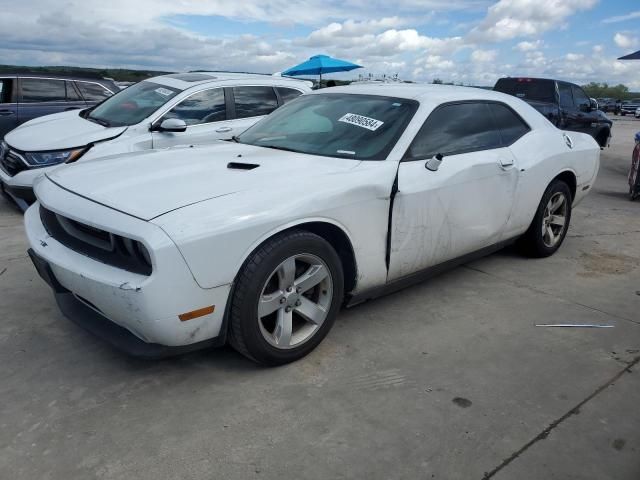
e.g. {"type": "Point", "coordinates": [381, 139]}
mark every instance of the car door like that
{"type": "Point", "coordinates": [8, 105]}
{"type": "Point", "coordinates": [206, 115]}
{"type": "Point", "coordinates": [586, 119]}
{"type": "Point", "coordinates": [575, 109]}
{"type": "Point", "coordinates": [461, 207]}
{"type": "Point", "coordinates": [44, 96]}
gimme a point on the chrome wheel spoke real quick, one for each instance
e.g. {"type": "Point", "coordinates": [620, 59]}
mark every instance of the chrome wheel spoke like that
{"type": "Point", "coordinates": [269, 303]}
{"type": "Point", "coordinates": [557, 220]}
{"type": "Point", "coordinates": [312, 277]}
{"type": "Point", "coordinates": [284, 328]}
{"type": "Point", "coordinates": [550, 236]}
{"type": "Point", "coordinates": [311, 311]}
{"type": "Point", "coordinates": [287, 273]}
{"type": "Point", "coordinates": [556, 203]}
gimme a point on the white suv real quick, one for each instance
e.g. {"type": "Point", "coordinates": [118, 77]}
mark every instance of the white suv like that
{"type": "Point", "coordinates": [175, 109]}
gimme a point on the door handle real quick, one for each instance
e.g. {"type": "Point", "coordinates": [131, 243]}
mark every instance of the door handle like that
{"type": "Point", "coordinates": [506, 163]}
{"type": "Point", "coordinates": [6, 113]}
{"type": "Point", "coordinates": [224, 129]}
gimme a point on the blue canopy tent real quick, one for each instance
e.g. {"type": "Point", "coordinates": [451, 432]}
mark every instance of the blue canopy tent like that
{"type": "Point", "coordinates": [319, 64]}
{"type": "Point", "coordinates": [631, 56]}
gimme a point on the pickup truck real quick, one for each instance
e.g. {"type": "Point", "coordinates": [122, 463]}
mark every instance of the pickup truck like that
{"type": "Point", "coordinates": [630, 107]}
{"type": "Point", "coordinates": [566, 105]}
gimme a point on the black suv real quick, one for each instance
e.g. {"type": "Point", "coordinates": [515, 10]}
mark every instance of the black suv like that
{"type": "Point", "coordinates": [24, 96]}
{"type": "Point", "coordinates": [565, 104]}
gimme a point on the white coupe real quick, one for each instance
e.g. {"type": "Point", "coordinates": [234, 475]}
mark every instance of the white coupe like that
{"type": "Point", "coordinates": [335, 198]}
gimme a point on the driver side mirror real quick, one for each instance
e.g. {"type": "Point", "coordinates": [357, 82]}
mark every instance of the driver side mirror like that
{"type": "Point", "coordinates": [593, 103]}
{"type": "Point", "coordinates": [172, 125]}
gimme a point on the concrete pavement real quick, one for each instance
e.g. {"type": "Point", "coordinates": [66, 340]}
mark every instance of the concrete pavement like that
{"type": "Point", "coordinates": [449, 379]}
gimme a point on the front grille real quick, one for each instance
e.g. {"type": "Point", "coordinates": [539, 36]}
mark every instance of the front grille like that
{"type": "Point", "coordinates": [106, 247]}
{"type": "Point", "coordinates": [11, 163]}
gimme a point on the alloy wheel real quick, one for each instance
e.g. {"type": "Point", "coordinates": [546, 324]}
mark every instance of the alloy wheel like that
{"type": "Point", "coordinates": [295, 301]}
{"type": "Point", "coordinates": [554, 221]}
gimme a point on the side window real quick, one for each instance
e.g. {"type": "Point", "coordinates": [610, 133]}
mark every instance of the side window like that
{"type": "Point", "coordinates": [34, 90]}
{"type": "Point", "coordinates": [202, 107]}
{"type": "Point", "coordinates": [580, 97]}
{"type": "Point", "coordinates": [254, 101]}
{"type": "Point", "coordinates": [508, 123]}
{"type": "Point", "coordinates": [93, 92]}
{"type": "Point", "coordinates": [455, 128]}
{"type": "Point", "coordinates": [72, 94]}
{"type": "Point", "coordinates": [288, 94]}
{"type": "Point", "coordinates": [6, 87]}
{"type": "Point", "coordinates": [566, 99]}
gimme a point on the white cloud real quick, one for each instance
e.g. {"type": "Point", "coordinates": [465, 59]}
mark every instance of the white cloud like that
{"type": "Point", "coordinates": [523, 18]}
{"type": "Point", "coordinates": [624, 40]}
{"type": "Point", "coordinates": [528, 46]}
{"type": "Point", "coordinates": [483, 56]}
{"type": "Point", "coordinates": [622, 18]}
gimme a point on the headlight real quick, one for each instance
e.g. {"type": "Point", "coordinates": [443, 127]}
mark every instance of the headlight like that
{"type": "Point", "coordinates": [45, 159]}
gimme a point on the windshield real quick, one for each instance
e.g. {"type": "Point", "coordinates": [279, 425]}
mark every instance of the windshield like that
{"type": "Point", "coordinates": [132, 105]}
{"type": "Point", "coordinates": [528, 88]}
{"type": "Point", "coordinates": [362, 127]}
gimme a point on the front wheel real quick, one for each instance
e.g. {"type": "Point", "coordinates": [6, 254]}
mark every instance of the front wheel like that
{"type": "Point", "coordinates": [551, 222]}
{"type": "Point", "coordinates": [286, 298]}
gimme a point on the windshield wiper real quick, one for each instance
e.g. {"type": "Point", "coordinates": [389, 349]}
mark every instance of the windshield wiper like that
{"type": "Point", "coordinates": [99, 121]}
{"type": "Point", "coordinates": [235, 139]}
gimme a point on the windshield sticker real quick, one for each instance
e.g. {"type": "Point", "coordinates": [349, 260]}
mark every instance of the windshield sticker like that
{"type": "Point", "coordinates": [346, 152]}
{"type": "Point", "coordinates": [361, 121]}
{"type": "Point", "coordinates": [163, 91]}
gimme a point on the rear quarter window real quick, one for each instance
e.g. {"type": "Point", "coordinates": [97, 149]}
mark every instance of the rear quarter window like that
{"type": "Point", "coordinates": [92, 92]}
{"type": "Point", "coordinates": [527, 88]}
{"type": "Point", "coordinates": [288, 94]}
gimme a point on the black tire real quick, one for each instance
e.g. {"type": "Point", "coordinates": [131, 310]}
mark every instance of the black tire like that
{"type": "Point", "coordinates": [532, 242]}
{"type": "Point", "coordinates": [245, 333]}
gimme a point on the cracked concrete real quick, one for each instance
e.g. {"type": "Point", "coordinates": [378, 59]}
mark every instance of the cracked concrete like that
{"type": "Point", "coordinates": [449, 379]}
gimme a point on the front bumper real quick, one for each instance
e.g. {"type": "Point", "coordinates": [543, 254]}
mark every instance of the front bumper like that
{"type": "Point", "coordinates": [99, 325]}
{"type": "Point", "coordinates": [19, 187]}
{"type": "Point", "coordinates": [147, 307]}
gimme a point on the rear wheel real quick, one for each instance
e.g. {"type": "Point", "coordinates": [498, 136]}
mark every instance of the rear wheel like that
{"type": "Point", "coordinates": [286, 298]}
{"type": "Point", "coordinates": [551, 222]}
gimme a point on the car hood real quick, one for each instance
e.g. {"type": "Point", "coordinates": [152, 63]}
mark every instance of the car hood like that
{"type": "Point", "coordinates": [151, 183]}
{"type": "Point", "coordinates": [59, 131]}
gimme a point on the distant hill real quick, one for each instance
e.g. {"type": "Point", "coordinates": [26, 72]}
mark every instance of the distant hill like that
{"type": "Point", "coordinates": [118, 74]}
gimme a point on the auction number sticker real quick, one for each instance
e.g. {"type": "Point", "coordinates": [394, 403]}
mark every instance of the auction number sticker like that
{"type": "Point", "coordinates": [361, 121]}
{"type": "Point", "coordinates": [164, 91]}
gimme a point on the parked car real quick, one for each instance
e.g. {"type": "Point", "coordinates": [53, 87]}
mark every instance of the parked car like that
{"type": "Point", "coordinates": [606, 104]}
{"type": "Point", "coordinates": [630, 107]}
{"type": "Point", "coordinates": [175, 109]}
{"type": "Point", "coordinates": [25, 96]}
{"type": "Point", "coordinates": [565, 104]}
{"type": "Point", "coordinates": [345, 193]}
{"type": "Point", "coordinates": [637, 114]}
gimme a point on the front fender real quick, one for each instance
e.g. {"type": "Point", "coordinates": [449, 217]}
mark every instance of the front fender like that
{"type": "Point", "coordinates": [215, 237]}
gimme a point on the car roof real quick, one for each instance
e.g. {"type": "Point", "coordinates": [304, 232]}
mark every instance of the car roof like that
{"type": "Point", "coordinates": [187, 80]}
{"type": "Point", "coordinates": [432, 95]}
{"type": "Point", "coordinates": [418, 91]}
{"type": "Point", "coordinates": [56, 76]}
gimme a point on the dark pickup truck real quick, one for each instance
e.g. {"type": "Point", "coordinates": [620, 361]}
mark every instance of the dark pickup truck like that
{"type": "Point", "coordinates": [566, 105]}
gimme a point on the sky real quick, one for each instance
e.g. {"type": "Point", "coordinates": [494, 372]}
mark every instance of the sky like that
{"type": "Point", "coordinates": [463, 41]}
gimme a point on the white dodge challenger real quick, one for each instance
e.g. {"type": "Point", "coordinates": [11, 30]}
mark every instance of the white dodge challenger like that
{"type": "Point", "coordinates": [335, 198]}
